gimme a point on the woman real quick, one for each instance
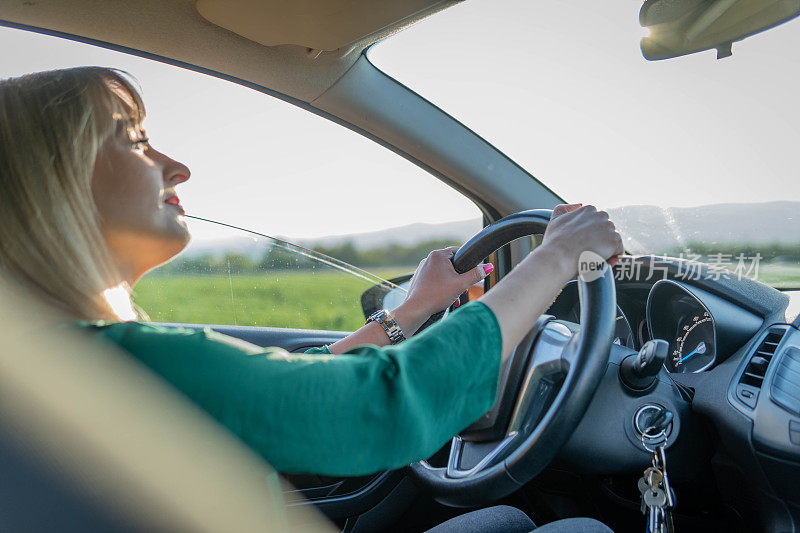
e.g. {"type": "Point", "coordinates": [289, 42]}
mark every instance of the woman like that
{"type": "Point", "coordinates": [89, 206]}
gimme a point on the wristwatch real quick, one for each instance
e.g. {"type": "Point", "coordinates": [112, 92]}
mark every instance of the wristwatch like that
{"type": "Point", "coordinates": [389, 325]}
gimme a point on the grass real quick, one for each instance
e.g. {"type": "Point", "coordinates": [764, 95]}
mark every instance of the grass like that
{"type": "Point", "coordinates": [784, 276]}
{"type": "Point", "coordinates": [308, 300]}
{"type": "Point", "coordinates": [327, 300]}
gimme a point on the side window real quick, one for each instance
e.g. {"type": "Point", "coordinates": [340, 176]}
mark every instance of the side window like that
{"type": "Point", "coordinates": [267, 166]}
{"type": "Point", "coordinates": [235, 277]}
{"type": "Point", "coordinates": [261, 164]}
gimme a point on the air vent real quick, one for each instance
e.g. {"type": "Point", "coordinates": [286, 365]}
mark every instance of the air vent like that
{"type": "Point", "coordinates": [753, 376]}
{"type": "Point", "coordinates": [757, 367]}
{"type": "Point", "coordinates": [785, 388]}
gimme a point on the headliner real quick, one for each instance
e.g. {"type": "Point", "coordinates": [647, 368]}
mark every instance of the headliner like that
{"type": "Point", "coordinates": [295, 55]}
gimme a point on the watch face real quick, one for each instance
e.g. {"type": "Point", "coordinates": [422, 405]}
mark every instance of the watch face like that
{"type": "Point", "coordinates": [378, 316]}
{"type": "Point", "coordinates": [386, 319]}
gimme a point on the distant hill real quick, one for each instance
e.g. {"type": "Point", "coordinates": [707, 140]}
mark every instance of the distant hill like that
{"type": "Point", "coordinates": [647, 229]}
{"type": "Point", "coordinates": [254, 246]}
{"type": "Point", "coordinates": [651, 229]}
{"type": "Point", "coordinates": [403, 235]}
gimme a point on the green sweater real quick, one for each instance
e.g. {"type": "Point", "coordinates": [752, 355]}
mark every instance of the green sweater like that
{"type": "Point", "coordinates": [368, 410]}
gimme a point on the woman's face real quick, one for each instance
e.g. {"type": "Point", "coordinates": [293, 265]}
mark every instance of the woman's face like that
{"type": "Point", "coordinates": [140, 215]}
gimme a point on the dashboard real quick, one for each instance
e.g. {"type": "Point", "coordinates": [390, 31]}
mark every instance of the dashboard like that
{"type": "Point", "coordinates": [690, 319]}
{"type": "Point", "coordinates": [567, 307]}
{"type": "Point", "coordinates": [731, 378]}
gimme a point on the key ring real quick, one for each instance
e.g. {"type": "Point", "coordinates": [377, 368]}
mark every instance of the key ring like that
{"type": "Point", "coordinates": [656, 441]}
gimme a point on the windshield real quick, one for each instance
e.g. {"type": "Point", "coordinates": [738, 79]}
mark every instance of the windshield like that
{"type": "Point", "coordinates": [691, 156]}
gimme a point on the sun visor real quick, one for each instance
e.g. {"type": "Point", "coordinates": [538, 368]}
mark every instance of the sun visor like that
{"type": "Point", "coordinates": [680, 27]}
{"type": "Point", "coordinates": [315, 24]}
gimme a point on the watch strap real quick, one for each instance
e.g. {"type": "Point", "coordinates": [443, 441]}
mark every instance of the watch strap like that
{"type": "Point", "coordinates": [389, 325]}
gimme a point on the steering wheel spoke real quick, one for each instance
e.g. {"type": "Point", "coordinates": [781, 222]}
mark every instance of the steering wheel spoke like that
{"type": "Point", "coordinates": [485, 453]}
{"type": "Point", "coordinates": [549, 364]}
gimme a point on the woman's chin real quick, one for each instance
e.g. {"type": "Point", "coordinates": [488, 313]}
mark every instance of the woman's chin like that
{"type": "Point", "coordinates": [182, 240]}
{"type": "Point", "coordinates": [179, 230]}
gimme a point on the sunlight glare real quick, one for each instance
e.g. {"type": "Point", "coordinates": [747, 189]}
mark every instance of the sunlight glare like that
{"type": "Point", "coordinates": [119, 299]}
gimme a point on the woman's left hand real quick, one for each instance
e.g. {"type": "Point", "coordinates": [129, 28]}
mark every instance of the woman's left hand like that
{"type": "Point", "coordinates": [436, 285]}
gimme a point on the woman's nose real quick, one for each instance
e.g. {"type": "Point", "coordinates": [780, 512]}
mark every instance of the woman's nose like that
{"type": "Point", "coordinates": [175, 172]}
{"type": "Point", "coordinates": [180, 175]}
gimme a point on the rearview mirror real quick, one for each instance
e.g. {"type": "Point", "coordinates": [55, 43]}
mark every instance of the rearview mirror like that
{"type": "Point", "coordinates": [385, 295]}
{"type": "Point", "coordinates": [389, 296]}
{"type": "Point", "coordinates": [680, 27]}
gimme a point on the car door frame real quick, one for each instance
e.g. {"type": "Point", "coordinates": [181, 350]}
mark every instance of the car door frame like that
{"type": "Point", "coordinates": [368, 101]}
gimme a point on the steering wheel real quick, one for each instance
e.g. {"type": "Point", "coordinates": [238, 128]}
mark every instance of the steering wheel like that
{"type": "Point", "coordinates": [545, 386]}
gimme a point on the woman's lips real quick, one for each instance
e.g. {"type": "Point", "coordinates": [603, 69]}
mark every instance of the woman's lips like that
{"type": "Point", "coordinates": [173, 200]}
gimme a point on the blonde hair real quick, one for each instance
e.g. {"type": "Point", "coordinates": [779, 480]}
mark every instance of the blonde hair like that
{"type": "Point", "coordinates": [52, 125]}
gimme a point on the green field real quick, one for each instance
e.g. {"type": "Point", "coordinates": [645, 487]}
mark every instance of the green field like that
{"type": "Point", "coordinates": [308, 300]}
{"type": "Point", "coordinates": [327, 300]}
{"type": "Point", "coordinates": [784, 276]}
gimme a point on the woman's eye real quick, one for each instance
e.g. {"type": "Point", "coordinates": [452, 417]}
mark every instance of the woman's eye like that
{"type": "Point", "coordinates": [139, 144]}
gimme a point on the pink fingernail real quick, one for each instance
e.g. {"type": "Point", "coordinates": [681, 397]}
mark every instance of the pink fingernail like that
{"type": "Point", "coordinates": [487, 268]}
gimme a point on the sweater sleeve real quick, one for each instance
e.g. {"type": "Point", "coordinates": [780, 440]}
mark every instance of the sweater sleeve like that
{"type": "Point", "coordinates": [322, 350]}
{"type": "Point", "coordinates": [364, 411]}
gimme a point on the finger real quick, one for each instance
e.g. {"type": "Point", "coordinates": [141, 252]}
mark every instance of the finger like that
{"type": "Point", "coordinates": [560, 209]}
{"type": "Point", "coordinates": [613, 260]}
{"type": "Point", "coordinates": [444, 253]}
{"type": "Point", "coordinates": [476, 274]}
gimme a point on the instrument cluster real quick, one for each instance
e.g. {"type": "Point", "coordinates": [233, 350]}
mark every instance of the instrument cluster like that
{"type": "Point", "coordinates": [701, 328]}
{"type": "Point", "coordinates": [567, 307]}
{"type": "Point", "coordinates": [679, 317]}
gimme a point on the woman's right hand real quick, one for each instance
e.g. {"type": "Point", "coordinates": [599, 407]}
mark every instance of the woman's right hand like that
{"type": "Point", "coordinates": [527, 291]}
{"type": "Point", "coordinates": [575, 229]}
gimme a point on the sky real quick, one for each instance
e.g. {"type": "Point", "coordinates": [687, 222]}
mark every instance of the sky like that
{"type": "Point", "coordinates": [560, 87]}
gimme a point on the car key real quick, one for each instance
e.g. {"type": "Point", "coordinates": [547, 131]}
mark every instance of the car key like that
{"type": "Point", "coordinates": [659, 426]}
{"type": "Point", "coordinates": [653, 476]}
{"type": "Point", "coordinates": [653, 497]}
{"type": "Point", "coordinates": [643, 487]}
{"type": "Point", "coordinates": [655, 500]}
{"type": "Point", "coordinates": [659, 423]}
{"type": "Point", "coordinates": [649, 480]}
{"type": "Point", "coordinates": [658, 498]}
{"type": "Point", "coordinates": [662, 460]}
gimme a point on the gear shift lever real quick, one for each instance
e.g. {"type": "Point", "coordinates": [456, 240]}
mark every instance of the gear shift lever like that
{"type": "Point", "coordinates": [639, 371]}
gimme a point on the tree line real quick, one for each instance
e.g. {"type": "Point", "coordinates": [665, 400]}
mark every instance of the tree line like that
{"type": "Point", "coordinates": [281, 258]}
{"type": "Point", "coordinates": [397, 255]}
{"type": "Point", "coordinates": [774, 251]}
